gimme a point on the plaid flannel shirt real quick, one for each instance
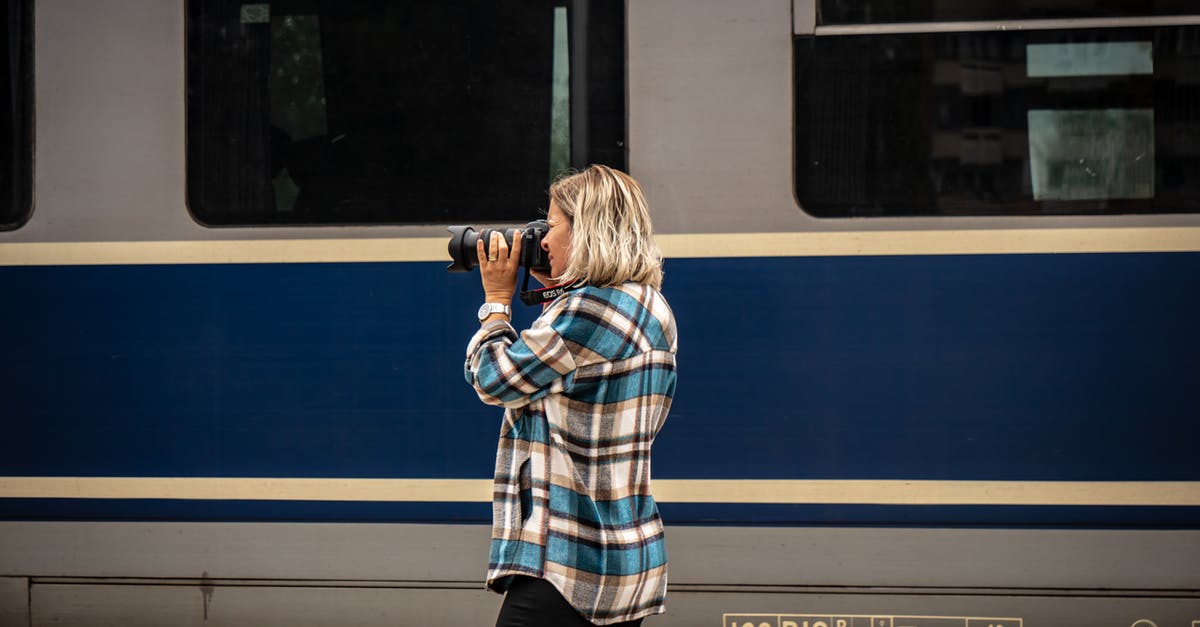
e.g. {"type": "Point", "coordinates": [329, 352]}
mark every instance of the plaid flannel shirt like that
{"type": "Point", "coordinates": [585, 388]}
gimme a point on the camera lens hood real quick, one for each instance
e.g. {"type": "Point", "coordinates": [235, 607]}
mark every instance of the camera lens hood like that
{"type": "Point", "coordinates": [463, 256]}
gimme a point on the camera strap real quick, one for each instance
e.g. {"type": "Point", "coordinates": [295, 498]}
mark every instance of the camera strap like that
{"type": "Point", "coordinates": [544, 295]}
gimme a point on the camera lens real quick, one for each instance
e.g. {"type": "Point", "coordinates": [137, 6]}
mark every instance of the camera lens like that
{"type": "Point", "coordinates": [464, 256]}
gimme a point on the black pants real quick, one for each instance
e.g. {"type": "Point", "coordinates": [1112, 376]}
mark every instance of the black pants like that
{"type": "Point", "coordinates": [533, 602]}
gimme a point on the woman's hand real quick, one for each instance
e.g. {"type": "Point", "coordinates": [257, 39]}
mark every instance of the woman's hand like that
{"type": "Point", "coordinates": [499, 272]}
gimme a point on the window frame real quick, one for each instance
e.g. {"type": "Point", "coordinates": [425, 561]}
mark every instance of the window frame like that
{"type": "Point", "coordinates": [807, 25]}
{"type": "Point", "coordinates": [20, 122]}
{"type": "Point", "coordinates": [972, 15]}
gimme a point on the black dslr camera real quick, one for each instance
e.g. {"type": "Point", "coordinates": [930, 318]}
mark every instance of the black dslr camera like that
{"type": "Point", "coordinates": [465, 258]}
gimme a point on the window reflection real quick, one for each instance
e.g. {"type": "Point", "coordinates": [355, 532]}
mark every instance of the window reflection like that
{"type": "Point", "coordinates": [1086, 155]}
{"type": "Point", "coordinates": [395, 111]}
{"type": "Point", "coordinates": [16, 113]}
{"type": "Point", "coordinates": [877, 11]}
{"type": "Point", "coordinates": [982, 123]}
{"type": "Point", "coordinates": [1109, 58]}
{"type": "Point", "coordinates": [297, 88]}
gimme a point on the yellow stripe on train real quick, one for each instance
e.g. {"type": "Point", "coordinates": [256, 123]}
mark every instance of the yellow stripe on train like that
{"type": "Point", "coordinates": [786, 491]}
{"type": "Point", "coordinates": [697, 245]}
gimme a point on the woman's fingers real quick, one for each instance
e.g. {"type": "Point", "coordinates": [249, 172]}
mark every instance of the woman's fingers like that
{"type": "Point", "coordinates": [514, 257]}
{"type": "Point", "coordinates": [499, 247]}
{"type": "Point", "coordinates": [499, 250]}
{"type": "Point", "coordinates": [499, 266]}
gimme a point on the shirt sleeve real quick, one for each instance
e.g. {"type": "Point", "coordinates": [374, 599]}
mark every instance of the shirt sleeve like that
{"type": "Point", "coordinates": [513, 370]}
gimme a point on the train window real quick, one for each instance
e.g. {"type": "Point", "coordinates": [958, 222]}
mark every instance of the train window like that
{"type": "Point", "coordinates": [16, 115]}
{"type": "Point", "coordinates": [880, 11]}
{"type": "Point", "coordinates": [397, 111]}
{"type": "Point", "coordinates": [999, 122]}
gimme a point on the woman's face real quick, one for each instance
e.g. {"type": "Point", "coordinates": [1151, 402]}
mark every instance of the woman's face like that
{"type": "Point", "coordinates": [557, 241]}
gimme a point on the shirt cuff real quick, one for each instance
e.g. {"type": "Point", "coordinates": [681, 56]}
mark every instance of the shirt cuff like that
{"type": "Point", "coordinates": [489, 331]}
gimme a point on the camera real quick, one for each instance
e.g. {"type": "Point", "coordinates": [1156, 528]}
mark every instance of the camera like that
{"type": "Point", "coordinates": [465, 257]}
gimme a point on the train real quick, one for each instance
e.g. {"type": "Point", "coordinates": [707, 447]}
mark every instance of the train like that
{"type": "Point", "coordinates": [934, 267]}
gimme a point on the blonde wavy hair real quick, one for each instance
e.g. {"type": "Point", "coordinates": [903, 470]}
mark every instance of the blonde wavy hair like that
{"type": "Point", "coordinates": [611, 236]}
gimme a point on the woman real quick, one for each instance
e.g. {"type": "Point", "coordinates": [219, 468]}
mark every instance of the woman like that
{"type": "Point", "coordinates": [576, 536]}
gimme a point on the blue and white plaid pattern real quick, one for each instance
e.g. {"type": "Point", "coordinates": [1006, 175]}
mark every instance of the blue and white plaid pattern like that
{"type": "Point", "coordinates": [586, 389]}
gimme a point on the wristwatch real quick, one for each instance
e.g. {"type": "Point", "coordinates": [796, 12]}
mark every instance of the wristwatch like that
{"type": "Point", "coordinates": [490, 308]}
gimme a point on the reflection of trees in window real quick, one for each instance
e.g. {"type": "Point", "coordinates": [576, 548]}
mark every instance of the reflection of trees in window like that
{"type": "Point", "coordinates": [297, 83]}
{"type": "Point", "coordinates": [296, 90]}
{"type": "Point", "coordinates": [560, 107]}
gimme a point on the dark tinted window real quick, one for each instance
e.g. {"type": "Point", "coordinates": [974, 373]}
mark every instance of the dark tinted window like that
{"type": "Point", "coordinates": [875, 11]}
{"type": "Point", "coordinates": [397, 111]}
{"type": "Point", "coordinates": [16, 114]}
{"type": "Point", "coordinates": [975, 123]}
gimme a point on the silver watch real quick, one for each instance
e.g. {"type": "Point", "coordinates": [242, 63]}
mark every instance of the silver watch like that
{"type": "Point", "coordinates": [490, 308]}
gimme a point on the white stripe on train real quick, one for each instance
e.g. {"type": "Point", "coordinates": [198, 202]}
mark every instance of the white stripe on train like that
{"type": "Point", "coordinates": [786, 491]}
{"type": "Point", "coordinates": [700, 245]}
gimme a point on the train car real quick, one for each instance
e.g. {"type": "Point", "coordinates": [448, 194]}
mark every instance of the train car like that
{"type": "Point", "coordinates": [934, 267]}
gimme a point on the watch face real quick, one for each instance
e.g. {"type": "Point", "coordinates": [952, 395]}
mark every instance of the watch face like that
{"type": "Point", "coordinates": [488, 309]}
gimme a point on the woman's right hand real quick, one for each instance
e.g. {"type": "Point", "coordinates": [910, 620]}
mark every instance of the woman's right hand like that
{"type": "Point", "coordinates": [499, 272]}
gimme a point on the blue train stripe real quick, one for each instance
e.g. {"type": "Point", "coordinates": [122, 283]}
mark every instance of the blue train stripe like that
{"type": "Point", "coordinates": [672, 513]}
{"type": "Point", "coordinates": [1033, 369]}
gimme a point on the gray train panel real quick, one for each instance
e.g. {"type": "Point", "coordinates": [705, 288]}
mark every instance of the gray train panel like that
{"type": "Point", "coordinates": [201, 603]}
{"type": "Point", "coordinates": [14, 602]}
{"type": "Point", "coordinates": [709, 122]}
{"type": "Point", "coordinates": [710, 114]}
{"type": "Point", "coordinates": [856, 557]}
{"type": "Point", "coordinates": [376, 552]}
{"type": "Point", "coordinates": [204, 602]}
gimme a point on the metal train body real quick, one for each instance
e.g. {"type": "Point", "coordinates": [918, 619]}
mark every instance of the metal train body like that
{"type": "Point", "coordinates": [986, 416]}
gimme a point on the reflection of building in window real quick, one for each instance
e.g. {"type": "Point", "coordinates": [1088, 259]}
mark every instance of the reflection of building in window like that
{"type": "Point", "coordinates": [1109, 58]}
{"type": "Point", "coordinates": [880, 11]}
{"type": "Point", "coordinates": [940, 123]}
{"type": "Point", "coordinates": [981, 146]}
{"type": "Point", "coordinates": [1177, 120]}
{"type": "Point", "coordinates": [973, 164]}
{"type": "Point", "coordinates": [978, 78]}
{"type": "Point", "coordinates": [1092, 154]}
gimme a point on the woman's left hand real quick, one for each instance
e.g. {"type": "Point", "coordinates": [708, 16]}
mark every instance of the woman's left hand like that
{"type": "Point", "coordinates": [499, 272]}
